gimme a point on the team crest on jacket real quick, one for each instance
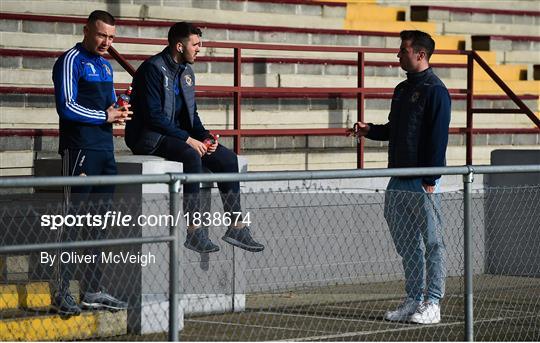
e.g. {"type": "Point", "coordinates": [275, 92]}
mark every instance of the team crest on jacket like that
{"type": "Point", "coordinates": [107, 69]}
{"type": "Point", "coordinates": [415, 96]}
{"type": "Point", "coordinates": [188, 79]}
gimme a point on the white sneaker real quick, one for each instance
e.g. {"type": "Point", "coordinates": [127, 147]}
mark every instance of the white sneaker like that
{"type": "Point", "coordinates": [426, 313]}
{"type": "Point", "coordinates": [403, 311]}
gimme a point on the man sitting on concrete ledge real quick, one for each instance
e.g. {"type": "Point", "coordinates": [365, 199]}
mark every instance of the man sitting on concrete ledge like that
{"type": "Point", "coordinates": [166, 124]}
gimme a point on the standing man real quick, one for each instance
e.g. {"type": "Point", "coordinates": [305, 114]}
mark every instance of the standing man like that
{"type": "Point", "coordinates": [166, 124]}
{"type": "Point", "coordinates": [417, 132]}
{"type": "Point", "coordinates": [85, 98]}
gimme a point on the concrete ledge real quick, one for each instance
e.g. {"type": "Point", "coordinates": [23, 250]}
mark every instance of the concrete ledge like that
{"type": "Point", "coordinates": [148, 303]}
{"type": "Point", "coordinates": [511, 223]}
{"type": "Point", "coordinates": [53, 327]}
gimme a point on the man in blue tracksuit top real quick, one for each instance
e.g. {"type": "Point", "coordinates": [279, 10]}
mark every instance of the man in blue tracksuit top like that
{"type": "Point", "coordinates": [417, 132]}
{"type": "Point", "coordinates": [85, 98]}
{"type": "Point", "coordinates": [166, 123]}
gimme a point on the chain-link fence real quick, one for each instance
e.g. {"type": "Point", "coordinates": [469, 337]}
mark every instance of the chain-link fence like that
{"type": "Point", "coordinates": [340, 259]}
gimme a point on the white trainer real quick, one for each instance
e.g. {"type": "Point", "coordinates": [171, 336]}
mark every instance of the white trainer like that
{"type": "Point", "coordinates": [403, 311]}
{"type": "Point", "coordinates": [426, 313]}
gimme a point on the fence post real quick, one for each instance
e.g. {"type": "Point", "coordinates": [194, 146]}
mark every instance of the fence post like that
{"type": "Point", "coordinates": [467, 240]}
{"type": "Point", "coordinates": [470, 98]}
{"type": "Point", "coordinates": [174, 200]}
{"type": "Point", "coordinates": [360, 97]}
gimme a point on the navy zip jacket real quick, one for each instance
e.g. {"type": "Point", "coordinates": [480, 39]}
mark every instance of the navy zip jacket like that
{"type": "Point", "coordinates": [417, 128]}
{"type": "Point", "coordinates": [156, 88]}
{"type": "Point", "coordinates": [83, 90]}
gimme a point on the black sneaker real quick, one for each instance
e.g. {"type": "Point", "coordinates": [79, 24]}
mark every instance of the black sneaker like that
{"type": "Point", "coordinates": [198, 241]}
{"type": "Point", "coordinates": [101, 300]}
{"type": "Point", "coordinates": [64, 304]}
{"type": "Point", "coordinates": [242, 238]}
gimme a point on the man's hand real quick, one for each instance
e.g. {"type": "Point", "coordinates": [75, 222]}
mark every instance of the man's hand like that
{"type": "Point", "coordinates": [212, 148]}
{"type": "Point", "coordinates": [359, 129]}
{"type": "Point", "coordinates": [118, 115]}
{"type": "Point", "coordinates": [199, 146]}
{"type": "Point", "coordinates": [428, 188]}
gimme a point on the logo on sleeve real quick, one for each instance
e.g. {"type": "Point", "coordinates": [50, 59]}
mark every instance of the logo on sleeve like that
{"type": "Point", "coordinates": [188, 79]}
{"type": "Point", "coordinates": [107, 69]}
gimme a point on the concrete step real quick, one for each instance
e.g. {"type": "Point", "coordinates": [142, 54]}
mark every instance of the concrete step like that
{"type": "Point", "coordinates": [518, 57]}
{"type": "Point", "coordinates": [176, 13]}
{"type": "Point", "coordinates": [16, 172]}
{"type": "Point", "coordinates": [42, 78]}
{"type": "Point", "coordinates": [346, 158]}
{"type": "Point", "coordinates": [298, 8]}
{"type": "Point", "coordinates": [34, 326]}
{"type": "Point", "coordinates": [40, 118]}
{"type": "Point", "coordinates": [261, 34]}
{"type": "Point", "coordinates": [397, 26]}
{"type": "Point", "coordinates": [300, 152]}
{"type": "Point", "coordinates": [372, 12]}
{"type": "Point", "coordinates": [525, 5]}
{"type": "Point", "coordinates": [505, 43]}
{"type": "Point", "coordinates": [282, 103]}
{"type": "Point", "coordinates": [9, 297]}
{"type": "Point", "coordinates": [460, 27]}
{"type": "Point", "coordinates": [29, 295]}
{"type": "Point", "coordinates": [292, 66]}
{"type": "Point", "coordinates": [57, 42]}
{"type": "Point", "coordinates": [515, 72]}
{"type": "Point", "coordinates": [16, 159]}
{"type": "Point", "coordinates": [13, 267]}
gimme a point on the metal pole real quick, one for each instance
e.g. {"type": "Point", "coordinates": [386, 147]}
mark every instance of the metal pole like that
{"type": "Point", "coordinates": [470, 98]}
{"type": "Point", "coordinates": [360, 109]}
{"type": "Point", "coordinates": [237, 100]}
{"type": "Point", "coordinates": [468, 272]}
{"type": "Point", "coordinates": [174, 187]}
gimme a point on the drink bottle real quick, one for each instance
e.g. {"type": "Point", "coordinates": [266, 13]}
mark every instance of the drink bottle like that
{"type": "Point", "coordinates": [211, 141]}
{"type": "Point", "coordinates": [124, 99]}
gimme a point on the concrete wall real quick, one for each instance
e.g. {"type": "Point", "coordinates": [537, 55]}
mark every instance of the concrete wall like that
{"type": "Point", "coordinates": [335, 233]}
{"type": "Point", "coordinates": [512, 221]}
{"type": "Point", "coordinates": [205, 280]}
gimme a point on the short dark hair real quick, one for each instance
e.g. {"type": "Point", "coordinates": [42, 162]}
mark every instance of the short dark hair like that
{"type": "Point", "coordinates": [104, 16]}
{"type": "Point", "coordinates": [419, 40]}
{"type": "Point", "coordinates": [181, 31]}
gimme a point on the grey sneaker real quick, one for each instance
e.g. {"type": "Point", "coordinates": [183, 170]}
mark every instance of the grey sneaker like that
{"type": "Point", "coordinates": [64, 304]}
{"type": "Point", "coordinates": [403, 311]}
{"type": "Point", "coordinates": [198, 241]}
{"type": "Point", "coordinates": [242, 238]}
{"type": "Point", "coordinates": [101, 300]}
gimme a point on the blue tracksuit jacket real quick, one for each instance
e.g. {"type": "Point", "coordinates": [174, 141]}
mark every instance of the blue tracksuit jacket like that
{"type": "Point", "coordinates": [83, 89]}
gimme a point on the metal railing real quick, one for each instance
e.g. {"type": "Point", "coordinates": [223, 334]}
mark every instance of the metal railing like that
{"type": "Point", "coordinates": [238, 90]}
{"type": "Point", "coordinates": [175, 180]}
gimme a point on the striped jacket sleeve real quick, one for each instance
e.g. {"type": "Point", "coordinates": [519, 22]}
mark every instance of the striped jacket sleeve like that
{"type": "Point", "coordinates": [66, 74]}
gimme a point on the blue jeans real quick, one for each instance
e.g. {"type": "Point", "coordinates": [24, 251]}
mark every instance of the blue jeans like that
{"type": "Point", "coordinates": [414, 219]}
